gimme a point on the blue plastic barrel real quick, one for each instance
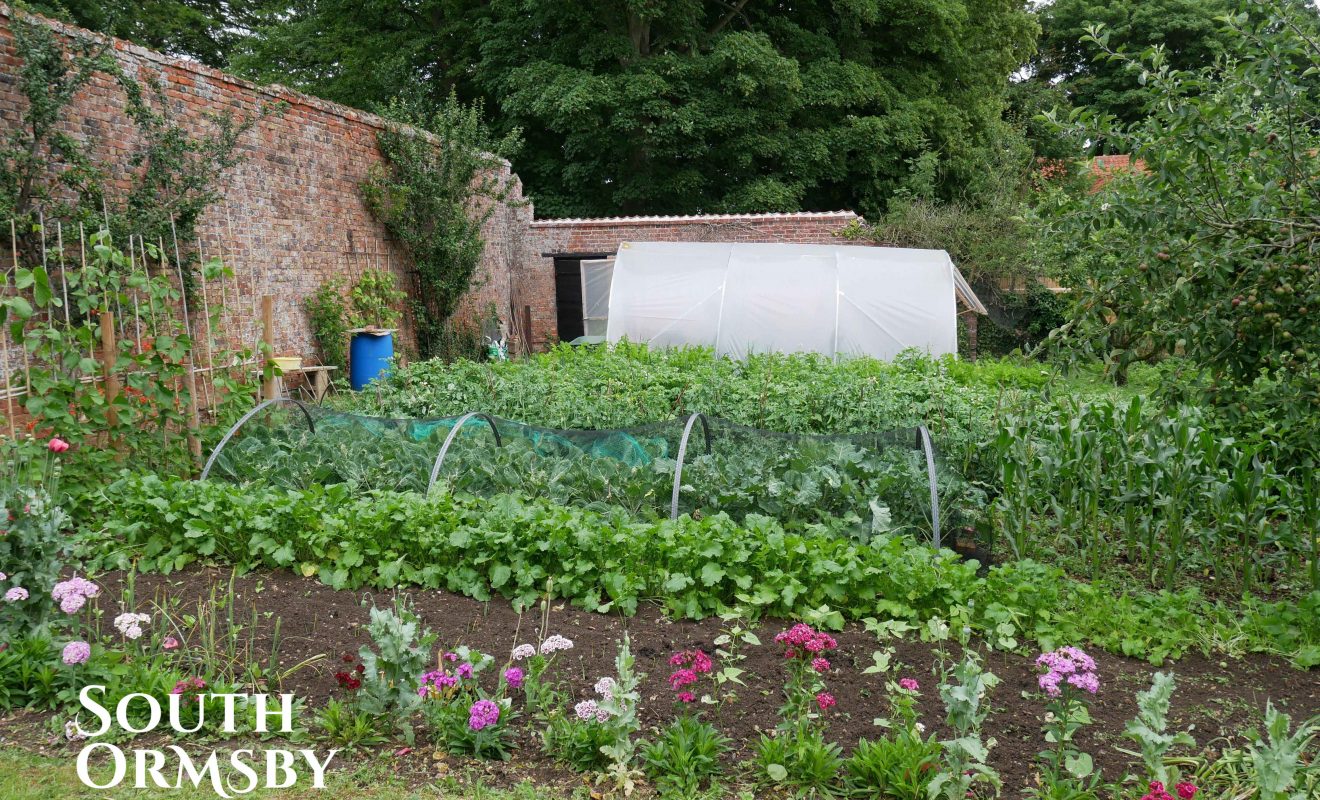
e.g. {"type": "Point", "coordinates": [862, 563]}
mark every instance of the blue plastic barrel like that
{"type": "Point", "coordinates": [369, 354]}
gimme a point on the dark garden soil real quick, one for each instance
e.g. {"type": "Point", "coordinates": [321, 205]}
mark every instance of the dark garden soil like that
{"type": "Point", "coordinates": [1216, 699]}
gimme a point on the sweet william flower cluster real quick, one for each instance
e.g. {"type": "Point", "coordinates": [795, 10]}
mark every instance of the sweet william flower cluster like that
{"type": "Point", "coordinates": [74, 593]}
{"type": "Point", "coordinates": [1068, 666]}
{"type": "Point", "coordinates": [691, 664]}
{"type": "Point", "coordinates": [1185, 790]}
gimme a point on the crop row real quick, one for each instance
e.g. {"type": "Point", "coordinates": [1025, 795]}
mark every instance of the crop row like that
{"type": "Point", "coordinates": [518, 548]}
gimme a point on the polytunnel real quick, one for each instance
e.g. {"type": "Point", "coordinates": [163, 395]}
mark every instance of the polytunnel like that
{"type": "Point", "coordinates": [859, 484]}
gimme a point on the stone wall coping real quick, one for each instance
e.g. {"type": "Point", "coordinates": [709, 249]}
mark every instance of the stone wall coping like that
{"type": "Point", "coordinates": [681, 218]}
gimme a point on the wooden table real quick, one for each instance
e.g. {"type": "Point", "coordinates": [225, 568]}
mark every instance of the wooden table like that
{"type": "Point", "coordinates": [318, 381]}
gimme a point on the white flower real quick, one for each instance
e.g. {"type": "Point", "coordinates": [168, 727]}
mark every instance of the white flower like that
{"type": "Point", "coordinates": [605, 688]}
{"type": "Point", "coordinates": [920, 728]}
{"type": "Point", "coordinates": [72, 732]}
{"type": "Point", "coordinates": [586, 710]}
{"type": "Point", "coordinates": [523, 651]}
{"type": "Point", "coordinates": [130, 624]}
{"type": "Point", "coordinates": [554, 644]}
{"type": "Point", "coordinates": [1104, 206]}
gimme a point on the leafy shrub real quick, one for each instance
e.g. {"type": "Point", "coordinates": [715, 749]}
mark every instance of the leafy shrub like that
{"type": "Point", "coordinates": [899, 766]}
{"type": "Point", "coordinates": [685, 757]}
{"type": "Point", "coordinates": [400, 650]}
{"type": "Point", "coordinates": [576, 742]}
{"type": "Point", "coordinates": [801, 760]}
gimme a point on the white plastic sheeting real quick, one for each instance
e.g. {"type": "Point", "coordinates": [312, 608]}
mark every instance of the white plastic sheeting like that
{"type": "Point", "coordinates": [755, 298]}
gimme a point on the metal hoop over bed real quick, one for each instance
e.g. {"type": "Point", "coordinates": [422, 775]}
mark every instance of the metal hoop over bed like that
{"type": "Point", "coordinates": [206, 470]}
{"type": "Point", "coordinates": [453, 432]}
{"type": "Point", "coordinates": [682, 453]}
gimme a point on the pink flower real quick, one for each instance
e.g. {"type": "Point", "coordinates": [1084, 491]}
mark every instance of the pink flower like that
{"type": "Point", "coordinates": [16, 594]}
{"type": "Point", "coordinates": [72, 603]}
{"type": "Point", "coordinates": [483, 714]}
{"type": "Point", "coordinates": [193, 684]}
{"type": "Point", "coordinates": [909, 684]}
{"type": "Point", "coordinates": [825, 700]}
{"type": "Point", "coordinates": [3, 577]}
{"type": "Point", "coordinates": [523, 651]}
{"type": "Point", "coordinates": [820, 664]}
{"type": "Point", "coordinates": [1187, 790]}
{"type": "Point", "coordinates": [514, 677]}
{"type": "Point", "coordinates": [1067, 667]}
{"type": "Point", "coordinates": [587, 710]}
{"type": "Point", "coordinates": [77, 653]}
{"type": "Point", "coordinates": [681, 678]}
{"type": "Point", "coordinates": [686, 697]}
{"type": "Point", "coordinates": [170, 643]}
{"type": "Point", "coordinates": [57, 445]}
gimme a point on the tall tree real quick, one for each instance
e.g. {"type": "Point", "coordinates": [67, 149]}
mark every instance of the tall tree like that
{"type": "Point", "coordinates": [680, 105]}
{"type": "Point", "coordinates": [205, 30]}
{"type": "Point", "coordinates": [1190, 31]}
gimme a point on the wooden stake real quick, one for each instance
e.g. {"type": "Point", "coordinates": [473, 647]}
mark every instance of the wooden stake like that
{"type": "Point", "coordinates": [109, 355]}
{"type": "Point", "coordinates": [27, 365]}
{"type": "Point", "coordinates": [268, 337]}
{"type": "Point", "coordinates": [64, 281]}
{"type": "Point", "coordinates": [189, 377]}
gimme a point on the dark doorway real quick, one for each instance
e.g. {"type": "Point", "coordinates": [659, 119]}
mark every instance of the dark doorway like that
{"type": "Point", "coordinates": [568, 297]}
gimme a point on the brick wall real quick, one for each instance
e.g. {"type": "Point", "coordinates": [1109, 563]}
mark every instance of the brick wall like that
{"type": "Point", "coordinates": [535, 285]}
{"type": "Point", "coordinates": [293, 216]}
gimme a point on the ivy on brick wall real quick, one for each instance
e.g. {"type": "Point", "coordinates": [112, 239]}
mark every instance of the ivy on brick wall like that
{"type": "Point", "coordinates": [47, 173]}
{"type": "Point", "coordinates": [434, 192]}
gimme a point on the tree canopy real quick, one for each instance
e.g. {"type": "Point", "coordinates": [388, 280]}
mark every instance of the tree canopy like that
{"type": "Point", "coordinates": [683, 106]}
{"type": "Point", "coordinates": [207, 30]}
{"type": "Point", "coordinates": [1189, 31]}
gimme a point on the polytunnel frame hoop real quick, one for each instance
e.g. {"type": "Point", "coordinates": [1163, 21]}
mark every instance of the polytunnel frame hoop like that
{"type": "Point", "coordinates": [206, 470]}
{"type": "Point", "coordinates": [682, 453]}
{"type": "Point", "coordinates": [924, 435]}
{"type": "Point", "coordinates": [453, 432]}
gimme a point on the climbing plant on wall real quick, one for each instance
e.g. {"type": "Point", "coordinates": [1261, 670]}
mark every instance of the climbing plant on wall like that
{"type": "Point", "coordinates": [46, 173]}
{"type": "Point", "coordinates": [440, 182]}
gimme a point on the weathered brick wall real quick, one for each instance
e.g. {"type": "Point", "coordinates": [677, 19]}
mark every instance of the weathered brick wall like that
{"type": "Point", "coordinates": [535, 285]}
{"type": "Point", "coordinates": [293, 215]}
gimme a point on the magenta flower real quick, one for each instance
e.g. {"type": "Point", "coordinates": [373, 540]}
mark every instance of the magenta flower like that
{"type": "Point", "coordinates": [686, 697]}
{"type": "Point", "coordinates": [57, 445]}
{"type": "Point", "coordinates": [825, 700]}
{"type": "Point", "coordinates": [1187, 790]}
{"type": "Point", "coordinates": [804, 638]}
{"type": "Point", "coordinates": [483, 714]}
{"type": "Point", "coordinates": [909, 684]}
{"type": "Point", "coordinates": [514, 677]}
{"type": "Point", "coordinates": [820, 664]}
{"type": "Point", "coordinates": [681, 678]}
{"type": "Point", "coordinates": [77, 653]}
{"type": "Point", "coordinates": [465, 671]}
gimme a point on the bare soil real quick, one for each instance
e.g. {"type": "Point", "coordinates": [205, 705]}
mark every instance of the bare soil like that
{"type": "Point", "coordinates": [1217, 700]}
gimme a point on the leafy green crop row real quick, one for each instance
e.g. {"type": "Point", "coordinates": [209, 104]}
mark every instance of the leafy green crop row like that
{"type": "Point", "coordinates": [627, 385]}
{"type": "Point", "coordinates": [514, 547]}
{"type": "Point", "coordinates": [862, 483]}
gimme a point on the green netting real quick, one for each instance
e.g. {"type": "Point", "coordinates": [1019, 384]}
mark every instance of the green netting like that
{"type": "Point", "coordinates": [858, 484]}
